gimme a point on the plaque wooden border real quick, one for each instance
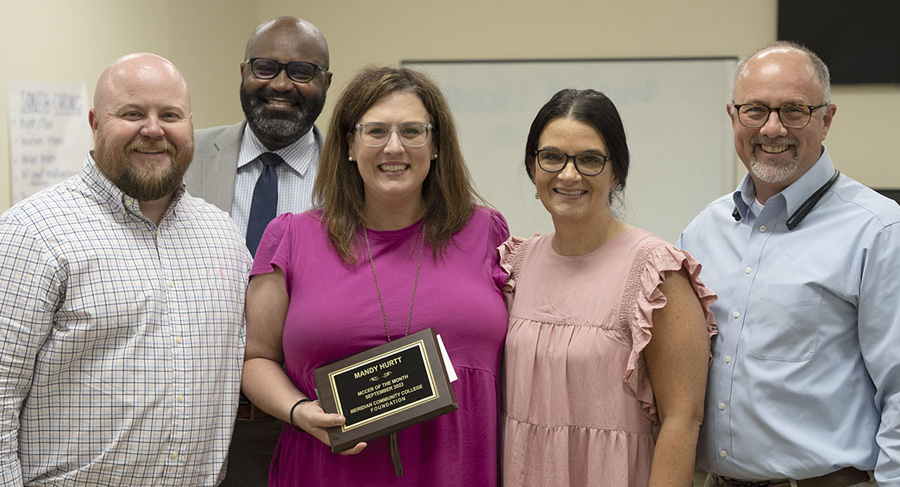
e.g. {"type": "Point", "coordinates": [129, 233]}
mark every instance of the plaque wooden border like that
{"type": "Point", "coordinates": [385, 409]}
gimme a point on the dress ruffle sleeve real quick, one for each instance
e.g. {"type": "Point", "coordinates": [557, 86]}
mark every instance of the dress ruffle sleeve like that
{"type": "Point", "coordinates": [512, 254]}
{"type": "Point", "coordinates": [499, 232]}
{"type": "Point", "coordinates": [646, 276]}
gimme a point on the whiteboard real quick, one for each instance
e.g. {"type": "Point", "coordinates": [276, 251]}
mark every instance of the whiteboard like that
{"type": "Point", "coordinates": [678, 132]}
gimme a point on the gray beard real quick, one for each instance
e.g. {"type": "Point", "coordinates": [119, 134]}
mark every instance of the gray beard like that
{"type": "Point", "coordinates": [773, 174]}
{"type": "Point", "coordinates": [283, 131]}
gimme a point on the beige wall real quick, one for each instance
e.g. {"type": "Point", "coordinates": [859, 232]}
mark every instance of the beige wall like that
{"type": "Point", "coordinates": [64, 40]}
{"type": "Point", "coordinates": [71, 40]}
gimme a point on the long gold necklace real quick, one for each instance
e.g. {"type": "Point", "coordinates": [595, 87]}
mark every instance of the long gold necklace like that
{"type": "Point", "coordinates": [395, 448]}
{"type": "Point", "coordinates": [412, 301]}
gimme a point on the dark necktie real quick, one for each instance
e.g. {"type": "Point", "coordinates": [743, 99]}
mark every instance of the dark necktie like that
{"type": "Point", "coordinates": [265, 200]}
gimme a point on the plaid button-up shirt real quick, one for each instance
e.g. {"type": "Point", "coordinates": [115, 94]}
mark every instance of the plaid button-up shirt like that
{"type": "Point", "coordinates": [121, 343]}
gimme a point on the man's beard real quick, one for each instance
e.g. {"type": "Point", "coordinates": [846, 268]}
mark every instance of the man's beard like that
{"type": "Point", "coordinates": [279, 126]}
{"type": "Point", "coordinates": [139, 183]}
{"type": "Point", "coordinates": [773, 173]}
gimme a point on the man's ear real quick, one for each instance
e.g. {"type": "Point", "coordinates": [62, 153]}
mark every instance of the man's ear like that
{"type": "Point", "coordinates": [830, 111]}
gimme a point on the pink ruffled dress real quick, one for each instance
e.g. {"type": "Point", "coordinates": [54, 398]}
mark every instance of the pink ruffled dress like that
{"type": "Point", "coordinates": [579, 409]}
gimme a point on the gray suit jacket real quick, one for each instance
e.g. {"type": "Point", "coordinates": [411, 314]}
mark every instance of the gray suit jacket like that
{"type": "Point", "coordinates": [212, 173]}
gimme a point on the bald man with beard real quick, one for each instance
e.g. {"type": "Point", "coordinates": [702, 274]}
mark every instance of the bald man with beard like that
{"type": "Point", "coordinates": [284, 79]}
{"type": "Point", "coordinates": [122, 297]}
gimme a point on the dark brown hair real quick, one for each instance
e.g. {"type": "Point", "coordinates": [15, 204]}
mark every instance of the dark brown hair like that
{"type": "Point", "coordinates": [590, 107]}
{"type": "Point", "coordinates": [448, 193]}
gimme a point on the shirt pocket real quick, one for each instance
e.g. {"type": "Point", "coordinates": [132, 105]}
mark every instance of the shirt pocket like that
{"type": "Point", "coordinates": [785, 325]}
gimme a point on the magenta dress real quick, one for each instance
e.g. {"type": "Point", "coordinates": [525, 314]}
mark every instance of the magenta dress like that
{"type": "Point", "coordinates": [334, 312]}
{"type": "Point", "coordinates": [579, 407]}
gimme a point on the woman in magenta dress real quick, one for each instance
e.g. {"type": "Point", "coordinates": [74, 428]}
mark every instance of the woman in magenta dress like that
{"type": "Point", "coordinates": [608, 342]}
{"type": "Point", "coordinates": [398, 245]}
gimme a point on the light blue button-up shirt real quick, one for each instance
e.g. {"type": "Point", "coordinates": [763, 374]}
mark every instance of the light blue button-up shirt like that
{"type": "Point", "coordinates": [805, 378]}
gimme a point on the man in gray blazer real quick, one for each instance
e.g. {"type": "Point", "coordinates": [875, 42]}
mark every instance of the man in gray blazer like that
{"type": "Point", "coordinates": [280, 112]}
{"type": "Point", "coordinates": [284, 80]}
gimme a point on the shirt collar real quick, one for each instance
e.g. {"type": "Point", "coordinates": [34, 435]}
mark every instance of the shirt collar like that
{"type": "Point", "coordinates": [804, 187]}
{"type": "Point", "coordinates": [294, 155]}
{"type": "Point", "coordinates": [795, 194]}
{"type": "Point", "coordinates": [110, 195]}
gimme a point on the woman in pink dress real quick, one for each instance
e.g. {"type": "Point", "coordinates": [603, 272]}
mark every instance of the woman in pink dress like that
{"type": "Point", "coordinates": [398, 245]}
{"type": "Point", "coordinates": [608, 342]}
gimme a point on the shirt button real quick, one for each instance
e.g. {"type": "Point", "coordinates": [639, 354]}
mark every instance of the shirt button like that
{"type": "Point", "coordinates": [728, 359]}
{"type": "Point", "coordinates": [180, 398]}
{"type": "Point", "coordinates": [723, 453]}
{"type": "Point", "coordinates": [175, 455]}
{"type": "Point", "coordinates": [178, 340]}
{"type": "Point", "coordinates": [747, 270]}
{"type": "Point", "coordinates": [721, 406]}
{"type": "Point", "coordinates": [762, 228]}
{"type": "Point", "coordinates": [736, 314]}
{"type": "Point", "coordinates": [171, 284]}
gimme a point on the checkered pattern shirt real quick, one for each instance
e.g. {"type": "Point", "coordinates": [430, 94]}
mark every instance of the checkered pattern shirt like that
{"type": "Point", "coordinates": [295, 178]}
{"type": "Point", "coordinates": [121, 343]}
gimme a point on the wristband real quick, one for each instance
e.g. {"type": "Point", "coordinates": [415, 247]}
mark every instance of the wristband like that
{"type": "Point", "coordinates": [306, 399]}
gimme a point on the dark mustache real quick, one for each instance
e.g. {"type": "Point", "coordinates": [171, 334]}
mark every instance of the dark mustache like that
{"type": "Point", "coordinates": [294, 97]}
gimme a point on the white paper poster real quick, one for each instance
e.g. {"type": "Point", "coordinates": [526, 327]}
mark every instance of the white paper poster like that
{"type": "Point", "coordinates": [49, 134]}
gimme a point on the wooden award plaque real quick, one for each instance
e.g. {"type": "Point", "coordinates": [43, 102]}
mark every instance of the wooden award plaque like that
{"type": "Point", "coordinates": [385, 389]}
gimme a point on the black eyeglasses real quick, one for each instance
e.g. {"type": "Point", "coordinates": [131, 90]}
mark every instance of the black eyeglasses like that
{"type": "Point", "coordinates": [755, 115]}
{"type": "Point", "coordinates": [299, 71]}
{"type": "Point", "coordinates": [586, 163]}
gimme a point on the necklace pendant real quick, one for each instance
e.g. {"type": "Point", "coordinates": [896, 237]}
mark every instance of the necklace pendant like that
{"type": "Point", "coordinates": [395, 455]}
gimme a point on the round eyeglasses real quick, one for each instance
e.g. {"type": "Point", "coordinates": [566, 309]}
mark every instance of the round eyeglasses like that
{"type": "Point", "coordinates": [377, 134]}
{"type": "Point", "coordinates": [586, 163]}
{"type": "Point", "coordinates": [755, 115]}
{"type": "Point", "coordinates": [299, 71]}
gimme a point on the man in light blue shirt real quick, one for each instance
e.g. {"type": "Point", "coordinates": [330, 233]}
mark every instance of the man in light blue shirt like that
{"type": "Point", "coordinates": [804, 388]}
